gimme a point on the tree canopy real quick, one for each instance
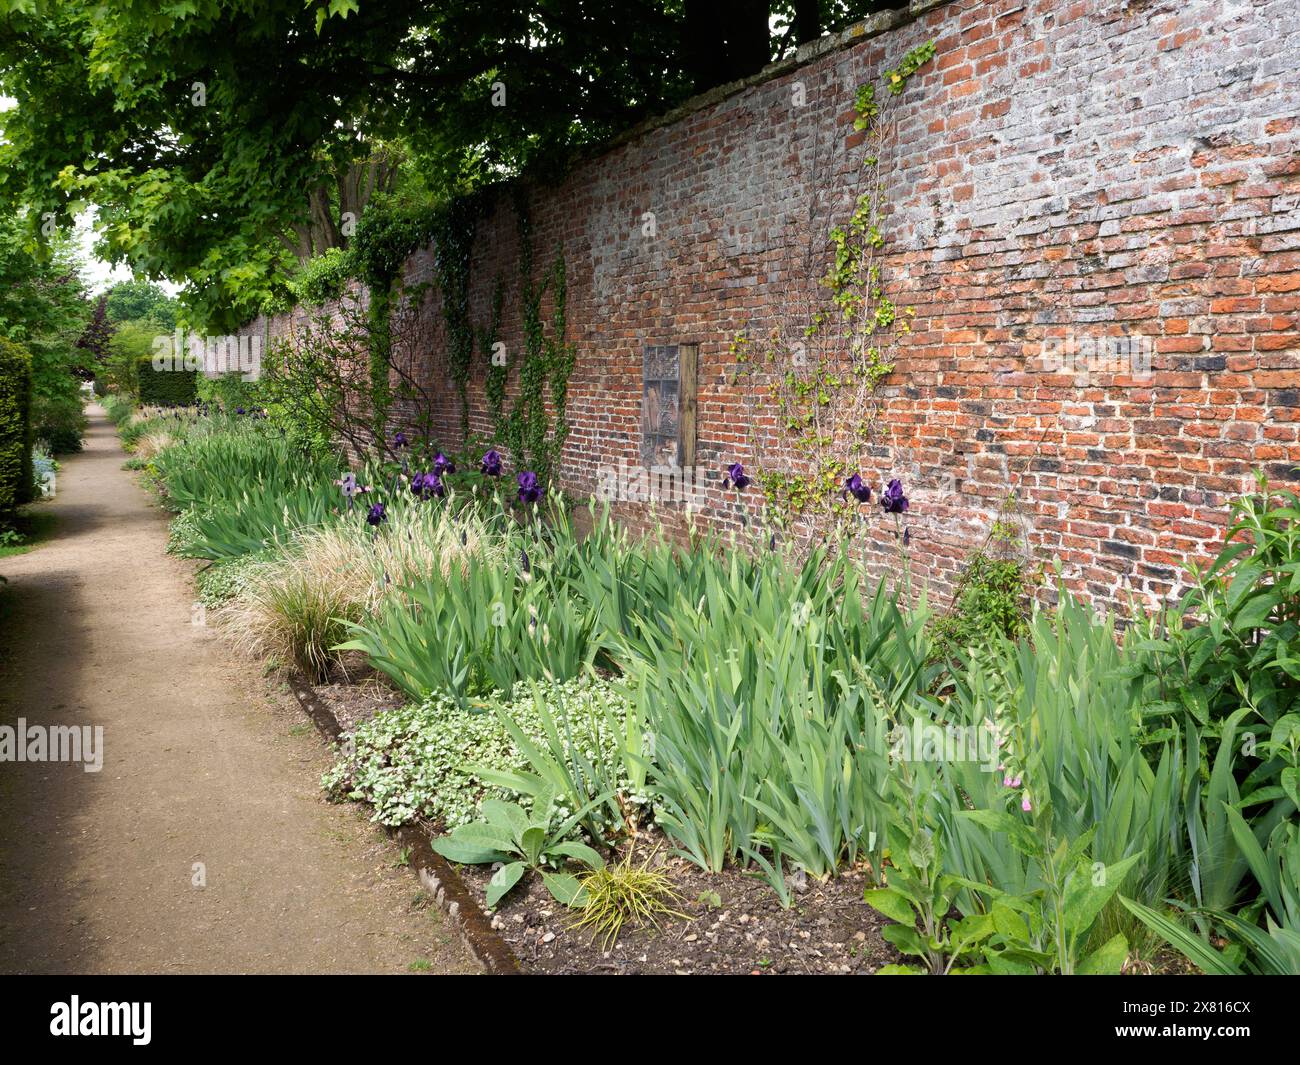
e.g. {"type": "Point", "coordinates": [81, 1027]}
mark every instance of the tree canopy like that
{"type": "Point", "coordinates": [224, 142]}
{"type": "Point", "coordinates": [135, 300]}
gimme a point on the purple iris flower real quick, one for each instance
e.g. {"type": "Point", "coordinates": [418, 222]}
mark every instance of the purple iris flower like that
{"type": "Point", "coordinates": [529, 490]}
{"type": "Point", "coordinates": [348, 482]}
{"type": "Point", "coordinates": [400, 440]}
{"type": "Point", "coordinates": [376, 515]}
{"type": "Point", "coordinates": [491, 464]}
{"type": "Point", "coordinates": [239, 410]}
{"type": "Point", "coordinates": [442, 465]}
{"type": "Point", "coordinates": [735, 477]}
{"type": "Point", "coordinates": [892, 499]}
{"type": "Point", "coordinates": [858, 489]}
{"type": "Point", "coordinates": [427, 485]}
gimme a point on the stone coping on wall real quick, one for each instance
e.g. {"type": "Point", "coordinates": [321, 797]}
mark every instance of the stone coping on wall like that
{"type": "Point", "coordinates": [871, 26]}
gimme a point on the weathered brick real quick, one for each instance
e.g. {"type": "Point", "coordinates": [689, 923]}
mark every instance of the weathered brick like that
{"type": "Point", "coordinates": [1032, 201]}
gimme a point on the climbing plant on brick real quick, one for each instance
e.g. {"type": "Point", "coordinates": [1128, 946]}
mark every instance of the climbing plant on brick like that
{"type": "Point", "coordinates": [454, 242]}
{"type": "Point", "coordinates": [498, 368]}
{"type": "Point", "coordinates": [386, 234]}
{"type": "Point", "coordinates": [821, 376]}
{"type": "Point", "coordinates": [534, 435]}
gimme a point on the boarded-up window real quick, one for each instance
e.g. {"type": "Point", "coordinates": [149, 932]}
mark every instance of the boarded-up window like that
{"type": "Point", "coordinates": [668, 373]}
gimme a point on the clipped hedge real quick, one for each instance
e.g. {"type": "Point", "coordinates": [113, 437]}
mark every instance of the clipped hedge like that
{"type": "Point", "coordinates": [15, 425]}
{"type": "Point", "coordinates": [161, 388]}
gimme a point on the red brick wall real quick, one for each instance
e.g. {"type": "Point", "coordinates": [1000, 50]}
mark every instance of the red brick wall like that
{"type": "Point", "coordinates": [1078, 170]}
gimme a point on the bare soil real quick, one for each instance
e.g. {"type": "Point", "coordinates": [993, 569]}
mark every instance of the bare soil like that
{"type": "Point", "coordinates": [733, 923]}
{"type": "Point", "coordinates": [208, 768]}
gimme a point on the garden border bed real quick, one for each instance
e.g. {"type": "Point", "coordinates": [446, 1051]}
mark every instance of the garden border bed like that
{"type": "Point", "coordinates": [437, 875]}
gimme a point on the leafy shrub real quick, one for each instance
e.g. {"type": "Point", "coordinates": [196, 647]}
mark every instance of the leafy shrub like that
{"type": "Point", "coordinates": [387, 232]}
{"type": "Point", "coordinates": [992, 601]}
{"type": "Point", "coordinates": [1220, 671]}
{"type": "Point", "coordinates": [15, 426]}
{"type": "Point", "coordinates": [165, 388]}
{"type": "Point", "coordinates": [324, 277]}
{"type": "Point", "coordinates": [425, 760]}
{"type": "Point", "coordinates": [60, 422]}
{"type": "Point", "coordinates": [1230, 642]}
{"type": "Point", "coordinates": [1273, 949]}
{"type": "Point", "coordinates": [1072, 781]}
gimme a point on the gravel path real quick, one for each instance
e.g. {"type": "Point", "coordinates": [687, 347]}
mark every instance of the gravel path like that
{"type": "Point", "coordinates": [203, 762]}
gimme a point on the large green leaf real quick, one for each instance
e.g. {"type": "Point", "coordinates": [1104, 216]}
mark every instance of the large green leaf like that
{"type": "Point", "coordinates": [502, 881]}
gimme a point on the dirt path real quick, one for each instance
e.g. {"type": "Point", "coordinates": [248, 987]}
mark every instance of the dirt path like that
{"type": "Point", "coordinates": [204, 762]}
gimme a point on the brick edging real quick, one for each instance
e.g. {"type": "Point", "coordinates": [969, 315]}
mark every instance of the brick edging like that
{"type": "Point", "coordinates": [437, 875]}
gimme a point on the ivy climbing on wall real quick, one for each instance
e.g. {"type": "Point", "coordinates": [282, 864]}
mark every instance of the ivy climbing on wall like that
{"type": "Point", "coordinates": [387, 233]}
{"type": "Point", "coordinates": [453, 234]}
{"type": "Point", "coordinates": [821, 374]}
{"type": "Point", "coordinates": [532, 433]}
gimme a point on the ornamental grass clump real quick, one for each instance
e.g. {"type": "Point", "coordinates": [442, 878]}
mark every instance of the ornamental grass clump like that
{"type": "Point", "coordinates": [625, 895]}
{"type": "Point", "coordinates": [300, 604]}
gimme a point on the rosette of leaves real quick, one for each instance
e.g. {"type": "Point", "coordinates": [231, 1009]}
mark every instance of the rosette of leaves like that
{"type": "Point", "coordinates": [523, 841]}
